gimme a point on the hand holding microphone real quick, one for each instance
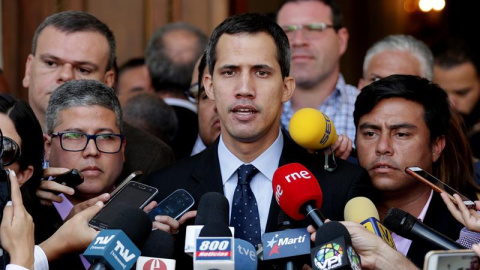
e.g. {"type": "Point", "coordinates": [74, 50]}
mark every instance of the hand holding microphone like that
{"type": "Point", "coordinates": [362, 211]}
{"type": "Point", "coordinates": [314, 130]}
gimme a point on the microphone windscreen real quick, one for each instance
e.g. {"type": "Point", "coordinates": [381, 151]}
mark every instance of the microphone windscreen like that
{"type": "Point", "coordinates": [293, 186]}
{"type": "Point", "coordinates": [134, 223]}
{"type": "Point", "coordinates": [312, 129]}
{"type": "Point", "coordinates": [330, 231]}
{"type": "Point", "coordinates": [399, 221]}
{"type": "Point", "coordinates": [211, 207]}
{"type": "Point", "coordinates": [359, 209]}
{"type": "Point", "coordinates": [215, 229]}
{"type": "Point", "coordinates": [158, 245]}
{"type": "Point", "coordinates": [245, 255]}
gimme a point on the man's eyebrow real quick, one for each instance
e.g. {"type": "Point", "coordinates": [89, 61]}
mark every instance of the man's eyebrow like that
{"type": "Point", "coordinates": [395, 126]}
{"type": "Point", "coordinates": [369, 125]}
{"type": "Point", "coordinates": [47, 56]}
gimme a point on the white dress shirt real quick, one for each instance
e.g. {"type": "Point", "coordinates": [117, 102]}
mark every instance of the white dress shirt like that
{"type": "Point", "coordinates": [261, 184]}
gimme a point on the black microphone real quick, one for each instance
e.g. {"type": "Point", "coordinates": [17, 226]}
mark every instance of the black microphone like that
{"type": "Point", "coordinates": [333, 248]}
{"type": "Point", "coordinates": [157, 252]}
{"type": "Point", "coordinates": [408, 226]}
{"type": "Point", "coordinates": [213, 206]}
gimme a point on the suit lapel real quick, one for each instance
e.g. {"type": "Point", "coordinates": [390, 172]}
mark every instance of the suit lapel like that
{"type": "Point", "coordinates": [207, 171]}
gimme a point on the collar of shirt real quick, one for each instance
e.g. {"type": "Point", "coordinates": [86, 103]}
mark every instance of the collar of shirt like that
{"type": "Point", "coordinates": [229, 163]}
{"type": "Point", "coordinates": [339, 92]}
{"type": "Point", "coordinates": [403, 244]}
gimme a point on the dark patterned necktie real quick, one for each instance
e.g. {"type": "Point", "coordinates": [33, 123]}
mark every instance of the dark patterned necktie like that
{"type": "Point", "coordinates": [244, 217]}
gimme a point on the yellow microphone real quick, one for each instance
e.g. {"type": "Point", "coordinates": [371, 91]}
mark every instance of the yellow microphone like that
{"type": "Point", "coordinates": [312, 129]}
{"type": "Point", "coordinates": [362, 210]}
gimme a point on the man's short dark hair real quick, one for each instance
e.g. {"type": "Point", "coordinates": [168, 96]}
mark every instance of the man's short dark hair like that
{"type": "Point", "coordinates": [167, 74]}
{"type": "Point", "coordinates": [251, 23]}
{"type": "Point", "coordinates": [337, 17]}
{"type": "Point", "coordinates": [433, 99]}
{"type": "Point", "coordinates": [77, 21]}
{"type": "Point", "coordinates": [454, 52]}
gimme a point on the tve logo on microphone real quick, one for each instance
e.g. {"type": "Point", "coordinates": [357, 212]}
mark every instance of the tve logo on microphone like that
{"type": "Point", "coordinates": [287, 243]}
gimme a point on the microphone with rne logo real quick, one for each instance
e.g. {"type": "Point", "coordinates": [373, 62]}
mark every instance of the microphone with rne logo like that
{"type": "Point", "coordinates": [362, 210]}
{"type": "Point", "coordinates": [312, 129]}
{"type": "Point", "coordinates": [298, 193]}
{"type": "Point", "coordinates": [213, 206]}
{"type": "Point", "coordinates": [333, 249]}
{"type": "Point", "coordinates": [157, 252]}
{"type": "Point", "coordinates": [245, 255]}
{"type": "Point", "coordinates": [214, 248]}
{"type": "Point", "coordinates": [117, 248]}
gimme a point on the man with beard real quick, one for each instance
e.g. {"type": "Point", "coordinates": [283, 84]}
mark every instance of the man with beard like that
{"type": "Point", "coordinates": [171, 55]}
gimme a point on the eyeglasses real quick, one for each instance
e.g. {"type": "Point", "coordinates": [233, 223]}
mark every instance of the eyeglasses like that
{"type": "Point", "coordinates": [77, 141]}
{"type": "Point", "coordinates": [11, 151]}
{"type": "Point", "coordinates": [310, 31]}
{"type": "Point", "coordinates": [192, 93]}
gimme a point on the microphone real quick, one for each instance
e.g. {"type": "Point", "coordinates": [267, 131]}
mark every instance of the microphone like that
{"type": "Point", "coordinates": [408, 226]}
{"type": "Point", "coordinates": [116, 248]}
{"type": "Point", "coordinates": [285, 244]}
{"type": "Point", "coordinates": [157, 252]}
{"type": "Point", "coordinates": [213, 206]}
{"type": "Point", "coordinates": [362, 210]}
{"type": "Point", "coordinates": [214, 248]}
{"type": "Point", "coordinates": [312, 129]}
{"type": "Point", "coordinates": [298, 193]}
{"type": "Point", "coordinates": [333, 248]}
{"type": "Point", "coordinates": [245, 255]}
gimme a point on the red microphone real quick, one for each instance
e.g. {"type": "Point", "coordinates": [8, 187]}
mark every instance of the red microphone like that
{"type": "Point", "coordinates": [297, 193]}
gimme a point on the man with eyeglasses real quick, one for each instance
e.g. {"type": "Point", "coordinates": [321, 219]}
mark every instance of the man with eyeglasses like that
{"type": "Point", "coordinates": [84, 131]}
{"type": "Point", "coordinates": [318, 39]}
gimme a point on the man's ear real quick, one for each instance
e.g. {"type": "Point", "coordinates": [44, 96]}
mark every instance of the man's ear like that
{"type": "Point", "coordinates": [342, 40]}
{"type": "Point", "coordinates": [288, 88]}
{"type": "Point", "coordinates": [28, 64]}
{"type": "Point", "coordinates": [208, 84]}
{"type": "Point", "coordinates": [438, 147]}
{"type": "Point", "coordinates": [109, 78]}
{"type": "Point", "coordinates": [361, 84]}
{"type": "Point", "coordinates": [47, 145]}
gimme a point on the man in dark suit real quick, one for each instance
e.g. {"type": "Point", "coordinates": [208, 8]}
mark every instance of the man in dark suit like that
{"type": "Point", "coordinates": [249, 61]}
{"type": "Point", "coordinates": [402, 121]}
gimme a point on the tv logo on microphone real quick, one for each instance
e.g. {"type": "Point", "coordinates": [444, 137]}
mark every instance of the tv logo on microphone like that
{"type": "Point", "coordinates": [125, 254]}
{"type": "Point", "coordinates": [329, 256]}
{"type": "Point", "coordinates": [286, 243]}
{"type": "Point", "coordinates": [218, 248]}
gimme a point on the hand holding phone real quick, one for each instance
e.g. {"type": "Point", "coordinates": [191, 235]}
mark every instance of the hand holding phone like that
{"type": "Point", "coordinates": [175, 205]}
{"type": "Point", "coordinates": [133, 194]}
{"type": "Point", "coordinates": [437, 185]}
